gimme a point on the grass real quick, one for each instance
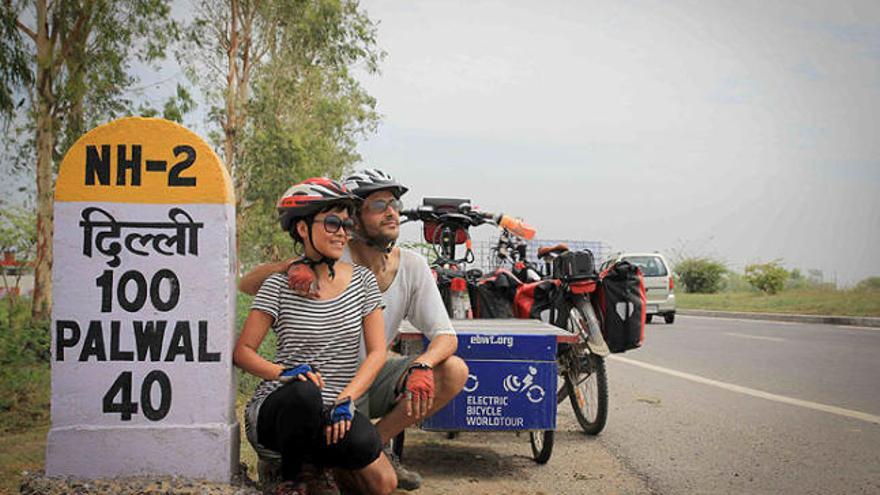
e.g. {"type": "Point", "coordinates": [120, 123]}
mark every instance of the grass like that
{"type": "Point", "coordinates": [803, 301]}
{"type": "Point", "coordinates": [246, 453]}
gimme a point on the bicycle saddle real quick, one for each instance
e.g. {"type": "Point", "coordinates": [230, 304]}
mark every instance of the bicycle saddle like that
{"type": "Point", "coordinates": [559, 248]}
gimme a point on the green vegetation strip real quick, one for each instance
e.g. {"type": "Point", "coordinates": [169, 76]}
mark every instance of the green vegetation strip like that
{"type": "Point", "coordinates": [804, 302]}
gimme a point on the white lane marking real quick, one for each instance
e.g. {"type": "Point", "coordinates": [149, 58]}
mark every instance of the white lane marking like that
{"type": "Point", "coordinates": [849, 413]}
{"type": "Point", "coordinates": [853, 327]}
{"type": "Point", "coordinates": [774, 339]}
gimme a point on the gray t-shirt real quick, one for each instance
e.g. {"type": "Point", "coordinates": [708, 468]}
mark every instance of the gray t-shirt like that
{"type": "Point", "coordinates": [413, 296]}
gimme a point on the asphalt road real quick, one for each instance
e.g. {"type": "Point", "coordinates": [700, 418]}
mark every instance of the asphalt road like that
{"type": "Point", "coordinates": [713, 405]}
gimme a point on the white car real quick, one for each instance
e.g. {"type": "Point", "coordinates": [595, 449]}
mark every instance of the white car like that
{"type": "Point", "coordinates": [659, 283]}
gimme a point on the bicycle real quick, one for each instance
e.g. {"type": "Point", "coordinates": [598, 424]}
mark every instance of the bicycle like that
{"type": "Point", "coordinates": [510, 253]}
{"type": "Point", "coordinates": [581, 364]}
{"type": "Point", "coordinates": [565, 299]}
{"type": "Point", "coordinates": [446, 226]}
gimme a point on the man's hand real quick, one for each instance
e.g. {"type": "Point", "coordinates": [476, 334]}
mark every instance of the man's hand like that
{"type": "Point", "coordinates": [302, 373]}
{"type": "Point", "coordinates": [302, 280]}
{"type": "Point", "coordinates": [418, 390]}
{"type": "Point", "coordinates": [338, 420]}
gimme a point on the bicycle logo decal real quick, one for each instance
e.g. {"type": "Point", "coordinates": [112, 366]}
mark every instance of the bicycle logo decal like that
{"type": "Point", "coordinates": [526, 385]}
{"type": "Point", "coordinates": [467, 385]}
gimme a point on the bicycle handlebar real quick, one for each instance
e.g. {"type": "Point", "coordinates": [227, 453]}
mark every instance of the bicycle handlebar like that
{"type": "Point", "coordinates": [471, 218]}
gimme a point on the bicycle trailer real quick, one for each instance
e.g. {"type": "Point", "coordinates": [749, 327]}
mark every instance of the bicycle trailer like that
{"type": "Point", "coordinates": [512, 381]}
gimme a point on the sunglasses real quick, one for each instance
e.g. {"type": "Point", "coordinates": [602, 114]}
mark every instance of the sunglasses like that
{"type": "Point", "coordinates": [333, 223]}
{"type": "Point", "coordinates": [380, 205]}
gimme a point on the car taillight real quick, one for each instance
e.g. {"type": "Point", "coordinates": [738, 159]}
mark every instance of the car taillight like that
{"type": "Point", "coordinates": [671, 283]}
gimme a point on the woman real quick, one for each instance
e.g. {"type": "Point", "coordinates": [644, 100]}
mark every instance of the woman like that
{"type": "Point", "coordinates": [305, 415]}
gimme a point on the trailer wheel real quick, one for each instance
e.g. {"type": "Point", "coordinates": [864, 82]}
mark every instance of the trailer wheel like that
{"type": "Point", "coordinates": [542, 445]}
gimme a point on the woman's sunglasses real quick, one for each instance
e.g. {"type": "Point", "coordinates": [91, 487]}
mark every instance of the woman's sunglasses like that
{"type": "Point", "coordinates": [333, 223]}
{"type": "Point", "coordinates": [380, 205]}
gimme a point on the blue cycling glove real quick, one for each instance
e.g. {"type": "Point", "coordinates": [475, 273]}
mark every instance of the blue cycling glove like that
{"type": "Point", "coordinates": [290, 374]}
{"type": "Point", "coordinates": [342, 410]}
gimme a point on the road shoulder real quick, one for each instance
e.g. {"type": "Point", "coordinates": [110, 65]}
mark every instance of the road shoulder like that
{"type": "Point", "coordinates": [858, 321]}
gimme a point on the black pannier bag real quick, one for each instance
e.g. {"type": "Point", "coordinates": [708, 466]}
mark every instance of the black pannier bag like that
{"type": "Point", "coordinates": [622, 304]}
{"type": "Point", "coordinates": [574, 265]}
{"type": "Point", "coordinates": [492, 297]}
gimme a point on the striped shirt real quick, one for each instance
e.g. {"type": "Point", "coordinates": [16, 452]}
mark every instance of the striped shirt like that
{"type": "Point", "coordinates": [322, 333]}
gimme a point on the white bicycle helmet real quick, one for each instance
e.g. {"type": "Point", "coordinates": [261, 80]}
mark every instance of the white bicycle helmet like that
{"type": "Point", "coordinates": [369, 180]}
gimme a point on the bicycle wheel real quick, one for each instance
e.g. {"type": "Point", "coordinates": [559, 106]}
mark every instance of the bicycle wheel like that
{"type": "Point", "coordinates": [588, 393]}
{"type": "Point", "coordinates": [586, 381]}
{"type": "Point", "coordinates": [542, 445]}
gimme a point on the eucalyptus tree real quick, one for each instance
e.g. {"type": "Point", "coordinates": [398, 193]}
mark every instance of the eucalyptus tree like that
{"type": "Point", "coordinates": [284, 101]}
{"type": "Point", "coordinates": [76, 69]}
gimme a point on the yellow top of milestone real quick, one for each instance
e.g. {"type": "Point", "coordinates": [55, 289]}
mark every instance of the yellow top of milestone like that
{"type": "Point", "coordinates": [142, 160]}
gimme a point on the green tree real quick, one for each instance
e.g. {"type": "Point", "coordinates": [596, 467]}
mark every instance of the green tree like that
{"type": "Point", "coordinates": [77, 54]}
{"type": "Point", "coordinates": [283, 100]}
{"type": "Point", "coordinates": [700, 274]}
{"type": "Point", "coordinates": [14, 69]}
{"type": "Point", "coordinates": [767, 277]}
{"type": "Point", "coordinates": [230, 39]}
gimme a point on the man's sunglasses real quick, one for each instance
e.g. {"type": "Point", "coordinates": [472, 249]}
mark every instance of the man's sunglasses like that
{"type": "Point", "coordinates": [380, 205]}
{"type": "Point", "coordinates": [333, 223]}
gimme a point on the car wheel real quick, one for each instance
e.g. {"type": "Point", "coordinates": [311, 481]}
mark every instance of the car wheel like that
{"type": "Point", "coordinates": [669, 317]}
{"type": "Point", "coordinates": [648, 318]}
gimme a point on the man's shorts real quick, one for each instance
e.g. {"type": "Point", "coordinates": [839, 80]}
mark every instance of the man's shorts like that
{"type": "Point", "coordinates": [380, 398]}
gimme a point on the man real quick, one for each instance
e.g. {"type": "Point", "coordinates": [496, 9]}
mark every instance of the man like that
{"type": "Point", "coordinates": [407, 389]}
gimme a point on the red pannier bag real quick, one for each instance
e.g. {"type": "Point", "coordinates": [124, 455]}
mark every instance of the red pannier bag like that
{"type": "Point", "coordinates": [534, 297]}
{"type": "Point", "coordinates": [622, 304]}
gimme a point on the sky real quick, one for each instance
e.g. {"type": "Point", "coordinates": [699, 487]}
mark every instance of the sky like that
{"type": "Point", "coordinates": [745, 130]}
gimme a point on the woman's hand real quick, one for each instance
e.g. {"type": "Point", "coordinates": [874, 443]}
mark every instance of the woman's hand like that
{"type": "Point", "coordinates": [302, 280]}
{"type": "Point", "coordinates": [302, 373]}
{"type": "Point", "coordinates": [338, 420]}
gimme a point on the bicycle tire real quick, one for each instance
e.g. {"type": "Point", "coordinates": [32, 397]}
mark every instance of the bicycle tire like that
{"type": "Point", "coordinates": [586, 384]}
{"type": "Point", "coordinates": [542, 445]}
{"type": "Point", "coordinates": [586, 390]}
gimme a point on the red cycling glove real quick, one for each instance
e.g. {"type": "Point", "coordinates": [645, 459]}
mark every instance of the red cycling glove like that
{"type": "Point", "coordinates": [301, 279]}
{"type": "Point", "coordinates": [419, 381]}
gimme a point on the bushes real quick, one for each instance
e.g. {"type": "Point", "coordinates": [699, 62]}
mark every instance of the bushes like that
{"type": "Point", "coordinates": [768, 277]}
{"type": "Point", "coordinates": [869, 284]}
{"type": "Point", "coordinates": [735, 282]}
{"type": "Point", "coordinates": [701, 275]}
{"type": "Point", "coordinates": [24, 367]}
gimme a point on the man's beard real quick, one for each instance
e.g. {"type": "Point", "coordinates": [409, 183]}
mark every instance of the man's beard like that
{"type": "Point", "coordinates": [381, 238]}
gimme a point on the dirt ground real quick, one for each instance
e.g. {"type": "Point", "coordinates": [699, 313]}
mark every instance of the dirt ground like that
{"type": "Point", "coordinates": [471, 463]}
{"type": "Point", "coordinates": [501, 463]}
